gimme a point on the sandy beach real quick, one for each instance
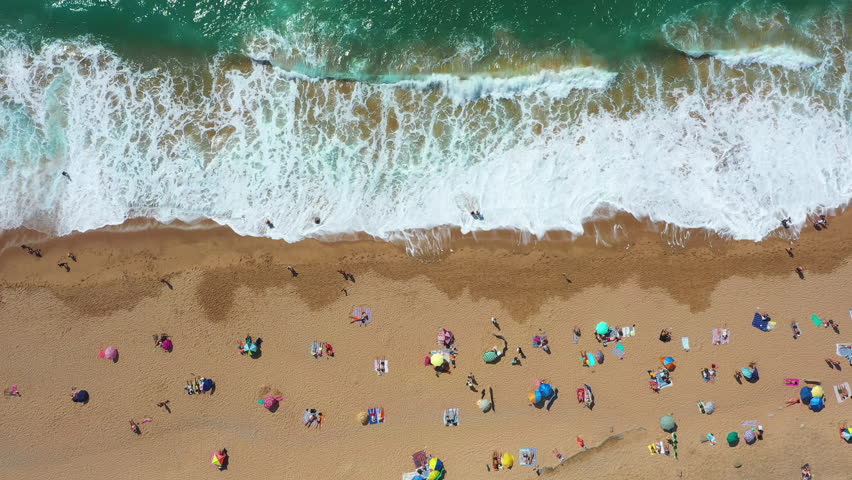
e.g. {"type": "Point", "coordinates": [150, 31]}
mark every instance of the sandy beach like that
{"type": "Point", "coordinates": [226, 286]}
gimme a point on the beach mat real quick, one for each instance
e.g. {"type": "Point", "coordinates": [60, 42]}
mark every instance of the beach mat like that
{"type": "Point", "coordinates": [360, 312]}
{"type": "Point", "coordinates": [618, 351]}
{"type": "Point", "coordinates": [837, 388]}
{"type": "Point", "coordinates": [532, 457]}
{"type": "Point", "coordinates": [817, 321]}
{"type": "Point", "coordinates": [420, 458]}
{"type": "Point", "coordinates": [377, 415]}
{"type": "Point", "coordinates": [376, 365]}
{"type": "Point", "coordinates": [718, 336]}
{"type": "Point", "coordinates": [453, 415]}
{"type": "Point", "coordinates": [684, 341]}
{"type": "Point", "coordinates": [843, 349]}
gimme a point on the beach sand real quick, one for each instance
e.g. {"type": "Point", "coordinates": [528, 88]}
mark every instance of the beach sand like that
{"type": "Point", "coordinates": [226, 286]}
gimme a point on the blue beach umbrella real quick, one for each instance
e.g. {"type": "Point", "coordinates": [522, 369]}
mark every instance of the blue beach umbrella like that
{"type": "Point", "coordinates": [747, 372]}
{"type": "Point", "coordinates": [805, 394]}
{"type": "Point", "coordinates": [206, 385]}
{"type": "Point", "coordinates": [546, 390]}
{"type": "Point", "coordinates": [817, 404]}
{"type": "Point", "coordinates": [538, 396]}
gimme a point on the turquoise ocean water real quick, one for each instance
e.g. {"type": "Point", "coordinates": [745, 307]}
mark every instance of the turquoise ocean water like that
{"type": "Point", "coordinates": [397, 117]}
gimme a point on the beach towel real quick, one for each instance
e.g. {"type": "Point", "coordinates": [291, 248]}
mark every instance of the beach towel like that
{"type": "Point", "coordinates": [362, 315]}
{"type": "Point", "coordinates": [628, 331]}
{"type": "Point", "coordinates": [843, 349]}
{"type": "Point", "coordinates": [842, 392]}
{"type": "Point", "coordinates": [721, 336]}
{"type": "Point", "coordinates": [376, 363]}
{"type": "Point", "coordinates": [759, 323]}
{"type": "Point", "coordinates": [529, 457]}
{"type": "Point", "coordinates": [451, 417]}
{"type": "Point", "coordinates": [377, 415]}
{"type": "Point", "coordinates": [618, 351]}
{"type": "Point", "coordinates": [661, 382]}
{"type": "Point", "coordinates": [685, 342]}
{"type": "Point", "coordinates": [317, 349]}
{"type": "Point", "coordinates": [577, 337]}
{"type": "Point", "coordinates": [445, 337]}
{"type": "Point", "coordinates": [817, 321]}
{"type": "Point", "coordinates": [592, 361]}
{"type": "Point", "coordinates": [421, 459]}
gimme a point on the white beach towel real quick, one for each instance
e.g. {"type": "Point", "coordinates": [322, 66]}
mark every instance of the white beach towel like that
{"type": "Point", "coordinates": [843, 349]}
{"type": "Point", "coordinates": [628, 332]}
{"type": "Point", "coordinates": [376, 366]}
{"type": "Point", "coordinates": [837, 393]}
{"type": "Point", "coordinates": [685, 342]}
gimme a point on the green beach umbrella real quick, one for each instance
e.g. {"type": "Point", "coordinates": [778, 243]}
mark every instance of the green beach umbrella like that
{"type": "Point", "coordinates": [490, 356]}
{"type": "Point", "coordinates": [602, 328]}
{"type": "Point", "coordinates": [733, 438]}
{"type": "Point", "coordinates": [667, 423]}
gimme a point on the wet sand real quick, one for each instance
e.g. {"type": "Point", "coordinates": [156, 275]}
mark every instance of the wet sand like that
{"type": "Point", "coordinates": [226, 286]}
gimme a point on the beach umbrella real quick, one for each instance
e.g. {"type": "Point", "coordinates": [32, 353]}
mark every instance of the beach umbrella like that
{"type": "Point", "coordinates": [435, 463]}
{"type": "Point", "coordinates": [667, 423]}
{"type": "Point", "coordinates": [817, 404]}
{"type": "Point", "coordinates": [435, 475]}
{"type": "Point", "coordinates": [747, 372]}
{"type": "Point", "coordinates": [436, 360]}
{"type": "Point", "coordinates": [81, 396]}
{"type": "Point", "coordinates": [709, 407]}
{"type": "Point", "coordinates": [537, 383]}
{"type": "Point", "coordinates": [733, 438]}
{"type": "Point", "coordinates": [206, 385]}
{"type": "Point", "coordinates": [805, 394]}
{"type": "Point", "coordinates": [533, 395]}
{"type": "Point", "coordinates": [507, 460]}
{"type": "Point", "coordinates": [602, 328]}
{"type": "Point", "coordinates": [484, 404]}
{"type": "Point", "coordinates": [490, 356]}
{"type": "Point", "coordinates": [749, 436]}
{"type": "Point", "coordinates": [218, 459]}
{"type": "Point", "coordinates": [167, 345]}
{"type": "Point", "coordinates": [599, 356]}
{"type": "Point", "coordinates": [270, 402]}
{"type": "Point", "coordinates": [817, 391]}
{"type": "Point", "coordinates": [110, 353]}
{"type": "Point", "coordinates": [250, 348]}
{"type": "Point", "coordinates": [846, 433]}
{"type": "Point", "coordinates": [363, 418]}
{"type": "Point", "coordinates": [418, 477]}
{"type": "Point", "coordinates": [546, 390]}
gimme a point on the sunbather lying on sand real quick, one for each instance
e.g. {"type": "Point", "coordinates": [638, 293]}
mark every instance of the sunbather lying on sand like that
{"type": "Point", "coordinates": [794, 401]}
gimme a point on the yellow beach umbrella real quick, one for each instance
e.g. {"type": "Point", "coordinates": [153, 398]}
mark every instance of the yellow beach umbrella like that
{"type": "Point", "coordinates": [508, 460]}
{"type": "Point", "coordinates": [363, 418]}
{"type": "Point", "coordinates": [437, 360]}
{"type": "Point", "coordinates": [817, 391]}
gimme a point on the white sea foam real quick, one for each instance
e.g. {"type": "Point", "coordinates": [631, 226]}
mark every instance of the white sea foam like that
{"type": "Point", "coordinates": [555, 84]}
{"type": "Point", "coordinates": [773, 55]}
{"type": "Point", "coordinates": [383, 160]}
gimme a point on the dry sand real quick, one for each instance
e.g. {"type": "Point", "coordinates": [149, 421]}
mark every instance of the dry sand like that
{"type": "Point", "coordinates": [226, 287]}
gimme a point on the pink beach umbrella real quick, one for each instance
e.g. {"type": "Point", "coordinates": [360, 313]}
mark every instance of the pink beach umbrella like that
{"type": "Point", "coordinates": [167, 345]}
{"type": "Point", "coordinates": [270, 402]}
{"type": "Point", "coordinates": [537, 383]}
{"type": "Point", "coordinates": [110, 353]}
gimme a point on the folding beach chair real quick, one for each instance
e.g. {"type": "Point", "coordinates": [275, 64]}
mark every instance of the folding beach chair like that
{"type": "Point", "coordinates": [451, 417]}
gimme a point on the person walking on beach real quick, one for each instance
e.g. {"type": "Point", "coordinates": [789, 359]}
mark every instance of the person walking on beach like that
{"type": "Point", "coordinates": [800, 271]}
{"type": "Point", "coordinates": [134, 428]}
{"type": "Point", "coordinates": [292, 271]}
{"type": "Point", "coordinates": [494, 322]}
{"type": "Point", "coordinates": [65, 266]}
{"type": "Point", "coordinates": [790, 252]}
{"type": "Point", "coordinates": [165, 404]}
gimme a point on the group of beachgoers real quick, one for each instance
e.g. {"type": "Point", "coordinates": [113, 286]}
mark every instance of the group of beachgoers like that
{"type": "Point", "coordinates": [444, 359]}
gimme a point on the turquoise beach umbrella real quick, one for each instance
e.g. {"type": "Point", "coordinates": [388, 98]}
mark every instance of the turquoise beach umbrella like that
{"type": "Point", "coordinates": [602, 328]}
